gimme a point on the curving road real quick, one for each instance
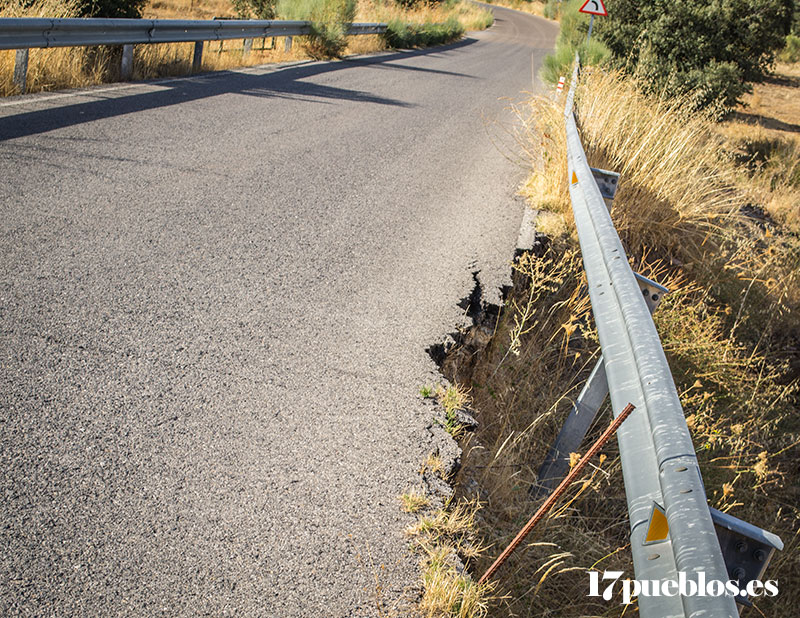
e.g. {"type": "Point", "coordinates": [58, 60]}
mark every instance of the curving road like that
{"type": "Point", "coordinates": [215, 299]}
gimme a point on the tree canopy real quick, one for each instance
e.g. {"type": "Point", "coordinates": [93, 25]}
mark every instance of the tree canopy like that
{"type": "Point", "coordinates": [707, 50]}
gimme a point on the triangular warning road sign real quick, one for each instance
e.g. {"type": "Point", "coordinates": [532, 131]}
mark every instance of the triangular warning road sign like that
{"type": "Point", "coordinates": [594, 7]}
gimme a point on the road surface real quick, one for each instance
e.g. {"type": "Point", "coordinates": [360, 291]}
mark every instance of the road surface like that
{"type": "Point", "coordinates": [216, 296]}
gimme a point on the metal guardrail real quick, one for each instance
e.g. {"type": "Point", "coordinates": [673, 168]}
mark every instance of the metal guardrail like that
{"type": "Point", "coordinates": [659, 463]}
{"type": "Point", "coordinates": [20, 33]}
{"type": "Point", "coordinates": [25, 33]}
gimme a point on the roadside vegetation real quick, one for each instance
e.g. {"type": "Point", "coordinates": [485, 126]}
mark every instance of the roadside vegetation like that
{"type": "Point", "coordinates": [708, 53]}
{"type": "Point", "coordinates": [709, 209]}
{"type": "Point", "coordinates": [411, 24]}
{"type": "Point", "coordinates": [534, 7]}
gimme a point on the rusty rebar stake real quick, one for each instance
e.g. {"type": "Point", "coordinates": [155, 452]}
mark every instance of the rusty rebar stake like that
{"type": "Point", "coordinates": [562, 487]}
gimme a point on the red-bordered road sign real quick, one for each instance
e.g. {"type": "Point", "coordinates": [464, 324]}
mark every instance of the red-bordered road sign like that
{"type": "Point", "coordinates": [594, 7]}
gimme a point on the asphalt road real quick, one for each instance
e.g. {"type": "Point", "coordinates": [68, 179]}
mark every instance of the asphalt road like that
{"type": "Point", "coordinates": [216, 296]}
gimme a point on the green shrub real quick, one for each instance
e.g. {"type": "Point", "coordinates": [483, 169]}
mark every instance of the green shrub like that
{"type": "Point", "coordinates": [574, 25]}
{"type": "Point", "coordinates": [112, 8]}
{"type": "Point", "coordinates": [559, 64]}
{"type": "Point", "coordinates": [330, 20]}
{"type": "Point", "coordinates": [552, 9]}
{"type": "Point", "coordinates": [404, 35]}
{"type": "Point", "coordinates": [696, 48]}
{"type": "Point", "coordinates": [790, 53]}
{"type": "Point", "coordinates": [254, 9]}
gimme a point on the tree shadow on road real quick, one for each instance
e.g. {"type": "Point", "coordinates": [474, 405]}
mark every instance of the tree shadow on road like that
{"type": "Point", "coordinates": [283, 82]}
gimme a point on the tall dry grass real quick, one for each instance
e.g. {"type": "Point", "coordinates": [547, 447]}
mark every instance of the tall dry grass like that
{"type": "Point", "coordinates": [687, 215]}
{"type": "Point", "coordinates": [188, 9]}
{"type": "Point", "coordinates": [681, 198]}
{"type": "Point", "coordinates": [51, 69]}
{"type": "Point", "coordinates": [469, 15]}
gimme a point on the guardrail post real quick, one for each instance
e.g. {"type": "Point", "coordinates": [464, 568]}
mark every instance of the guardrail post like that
{"type": "Point", "coordinates": [126, 67]}
{"type": "Point", "coordinates": [248, 45]}
{"type": "Point", "coordinates": [197, 58]}
{"type": "Point", "coordinates": [287, 45]}
{"type": "Point", "coordinates": [21, 69]}
{"type": "Point", "coordinates": [581, 416]}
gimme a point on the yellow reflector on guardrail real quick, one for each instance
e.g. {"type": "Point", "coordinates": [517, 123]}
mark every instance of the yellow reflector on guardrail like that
{"type": "Point", "coordinates": [658, 528]}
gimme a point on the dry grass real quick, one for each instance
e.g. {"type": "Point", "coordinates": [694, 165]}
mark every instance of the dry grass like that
{"type": "Point", "coordinates": [534, 7]}
{"type": "Point", "coordinates": [73, 67]}
{"type": "Point", "coordinates": [444, 539]}
{"type": "Point", "coordinates": [434, 464]}
{"type": "Point", "coordinates": [764, 135]}
{"type": "Point", "coordinates": [681, 198]}
{"type": "Point", "coordinates": [50, 69]}
{"type": "Point", "coordinates": [188, 9]}
{"type": "Point", "coordinates": [414, 500]}
{"type": "Point", "coordinates": [729, 328]}
{"type": "Point", "coordinates": [469, 15]}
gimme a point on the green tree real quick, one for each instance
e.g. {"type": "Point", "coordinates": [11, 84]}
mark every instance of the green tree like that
{"type": "Point", "coordinates": [113, 8]}
{"type": "Point", "coordinates": [706, 50]}
{"type": "Point", "coordinates": [254, 9]}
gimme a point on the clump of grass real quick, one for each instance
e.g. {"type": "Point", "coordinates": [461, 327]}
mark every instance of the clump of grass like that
{"type": "Point", "coordinates": [443, 539]}
{"type": "Point", "coordinates": [448, 593]}
{"type": "Point", "coordinates": [434, 464]}
{"type": "Point", "coordinates": [559, 64]}
{"type": "Point", "coordinates": [413, 501]}
{"type": "Point", "coordinates": [426, 23]}
{"type": "Point", "coordinates": [453, 399]}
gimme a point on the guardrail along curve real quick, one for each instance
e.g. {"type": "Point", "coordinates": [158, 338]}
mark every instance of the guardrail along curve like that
{"type": "Point", "coordinates": [659, 463]}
